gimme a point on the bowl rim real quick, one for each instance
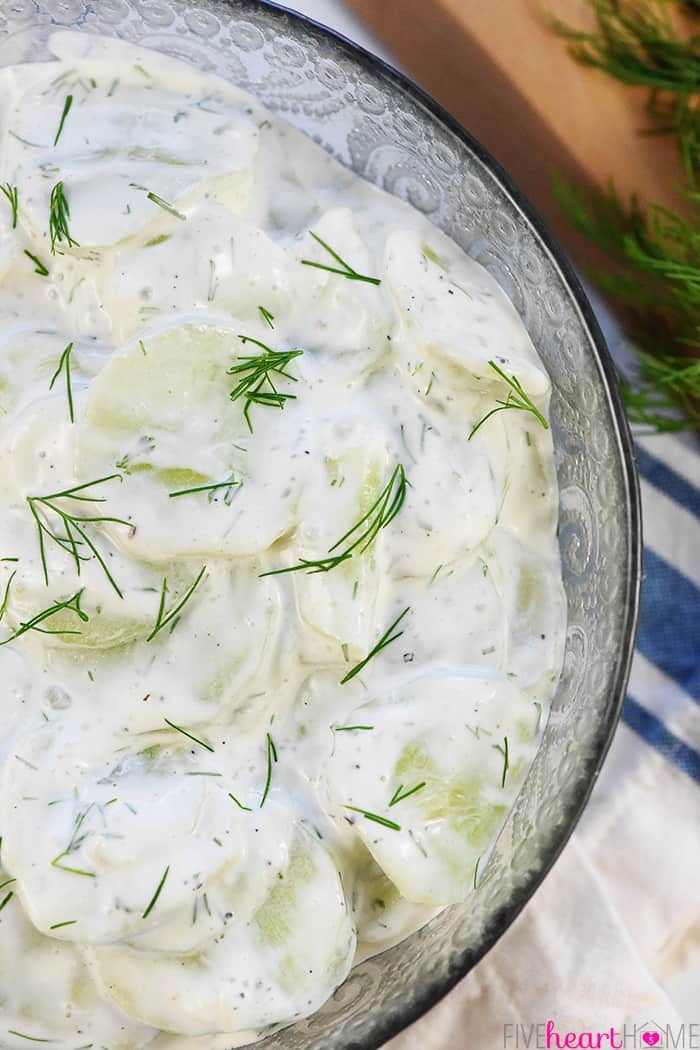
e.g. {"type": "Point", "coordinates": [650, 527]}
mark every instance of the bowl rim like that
{"type": "Point", "coordinates": [389, 1023]}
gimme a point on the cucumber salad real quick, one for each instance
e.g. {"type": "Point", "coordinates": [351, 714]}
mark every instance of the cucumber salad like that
{"type": "Point", "coordinates": [281, 611]}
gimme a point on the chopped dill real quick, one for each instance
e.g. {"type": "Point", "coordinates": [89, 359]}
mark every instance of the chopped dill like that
{"type": "Point", "coordinates": [60, 925]}
{"type": "Point", "coordinates": [64, 365]}
{"type": "Point", "coordinates": [256, 384]}
{"type": "Point", "coordinates": [349, 729]}
{"type": "Point", "coordinates": [156, 895]}
{"type": "Point", "coordinates": [399, 795]}
{"type": "Point", "coordinates": [386, 639]}
{"type": "Point", "coordinates": [71, 604]}
{"type": "Point", "coordinates": [346, 271]}
{"type": "Point", "coordinates": [382, 512]}
{"type": "Point", "coordinates": [6, 595]}
{"type": "Point", "coordinates": [59, 214]}
{"type": "Point", "coordinates": [206, 488]}
{"type": "Point", "coordinates": [66, 110]}
{"type": "Point", "coordinates": [239, 804]}
{"type": "Point", "coordinates": [163, 618]}
{"type": "Point", "coordinates": [503, 748]}
{"type": "Point", "coordinates": [375, 817]}
{"type": "Point", "coordinates": [266, 316]}
{"type": "Point", "coordinates": [12, 194]}
{"type": "Point", "coordinates": [189, 735]}
{"type": "Point", "coordinates": [271, 758]}
{"type": "Point", "coordinates": [38, 264]}
{"type": "Point", "coordinates": [517, 399]}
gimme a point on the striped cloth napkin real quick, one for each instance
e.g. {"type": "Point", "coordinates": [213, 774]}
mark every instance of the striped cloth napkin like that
{"type": "Point", "coordinates": [612, 937]}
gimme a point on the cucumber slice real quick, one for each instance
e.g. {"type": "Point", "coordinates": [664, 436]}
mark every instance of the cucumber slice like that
{"type": "Point", "coordinates": [341, 606]}
{"type": "Point", "coordinates": [217, 261]}
{"type": "Point", "coordinates": [529, 582]}
{"type": "Point", "coordinates": [66, 817]}
{"type": "Point", "coordinates": [439, 733]}
{"type": "Point", "coordinates": [139, 153]}
{"type": "Point", "coordinates": [181, 426]}
{"type": "Point", "coordinates": [46, 990]}
{"type": "Point", "coordinates": [261, 971]}
{"type": "Point", "coordinates": [435, 311]}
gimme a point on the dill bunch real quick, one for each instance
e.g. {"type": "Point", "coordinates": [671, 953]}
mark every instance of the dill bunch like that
{"type": "Point", "coordinates": [655, 251]}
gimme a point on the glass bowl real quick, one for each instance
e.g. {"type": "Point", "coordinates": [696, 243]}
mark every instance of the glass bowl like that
{"type": "Point", "coordinates": [391, 133]}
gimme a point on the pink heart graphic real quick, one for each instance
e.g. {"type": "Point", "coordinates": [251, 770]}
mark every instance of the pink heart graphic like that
{"type": "Point", "coordinates": [650, 1038]}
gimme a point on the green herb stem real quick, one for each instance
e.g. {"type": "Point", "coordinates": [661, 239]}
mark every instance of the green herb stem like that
{"type": "Point", "coordinates": [66, 110]}
{"type": "Point", "coordinates": [271, 759]}
{"type": "Point", "coordinates": [399, 795]}
{"type": "Point", "coordinates": [363, 533]}
{"type": "Point", "coordinates": [12, 194]}
{"type": "Point", "coordinates": [163, 618]}
{"type": "Point", "coordinates": [517, 399]}
{"type": "Point", "coordinates": [386, 639]}
{"type": "Point", "coordinates": [64, 365]}
{"type": "Point", "coordinates": [375, 817]}
{"type": "Point", "coordinates": [59, 214]}
{"type": "Point", "coordinates": [345, 271]}
{"type": "Point", "coordinates": [256, 384]}
{"type": "Point", "coordinates": [189, 735]}
{"type": "Point", "coordinates": [156, 895]}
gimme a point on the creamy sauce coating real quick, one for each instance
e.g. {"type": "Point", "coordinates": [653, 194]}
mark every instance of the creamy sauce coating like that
{"type": "Point", "coordinates": [223, 783]}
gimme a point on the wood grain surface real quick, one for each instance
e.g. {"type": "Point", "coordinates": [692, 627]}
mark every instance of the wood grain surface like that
{"type": "Point", "coordinates": [499, 69]}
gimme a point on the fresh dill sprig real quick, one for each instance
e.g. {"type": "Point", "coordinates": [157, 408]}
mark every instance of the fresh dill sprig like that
{"type": "Point", "coordinates": [375, 817]}
{"type": "Point", "coordinates": [517, 399]}
{"type": "Point", "coordinates": [156, 895]}
{"type": "Point", "coordinates": [59, 214]}
{"type": "Point", "coordinates": [163, 618]}
{"type": "Point", "coordinates": [271, 758]}
{"type": "Point", "coordinates": [45, 509]}
{"type": "Point", "coordinates": [12, 194]}
{"type": "Point", "coordinates": [189, 735]}
{"type": "Point", "coordinates": [206, 488]}
{"type": "Point", "coordinates": [39, 267]}
{"type": "Point", "coordinates": [64, 364]}
{"type": "Point", "coordinates": [382, 512]}
{"type": "Point", "coordinates": [256, 384]}
{"type": "Point", "coordinates": [503, 748]}
{"type": "Point", "coordinates": [239, 804]}
{"type": "Point", "coordinates": [386, 639]}
{"type": "Point", "coordinates": [399, 795]}
{"type": "Point", "coordinates": [654, 252]}
{"type": "Point", "coordinates": [66, 110]}
{"type": "Point", "coordinates": [6, 899]}
{"type": "Point", "coordinates": [266, 316]}
{"type": "Point", "coordinates": [345, 271]}
{"type": "Point", "coordinates": [71, 604]}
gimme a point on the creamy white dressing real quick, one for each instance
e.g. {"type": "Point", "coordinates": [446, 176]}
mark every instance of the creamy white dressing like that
{"type": "Point", "coordinates": [204, 827]}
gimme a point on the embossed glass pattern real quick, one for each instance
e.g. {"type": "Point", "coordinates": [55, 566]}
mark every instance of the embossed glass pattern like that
{"type": "Point", "coordinates": [393, 135]}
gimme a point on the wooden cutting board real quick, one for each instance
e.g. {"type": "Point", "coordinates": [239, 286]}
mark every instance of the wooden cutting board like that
{"type": "Point", "coordinates": [500, 70]}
